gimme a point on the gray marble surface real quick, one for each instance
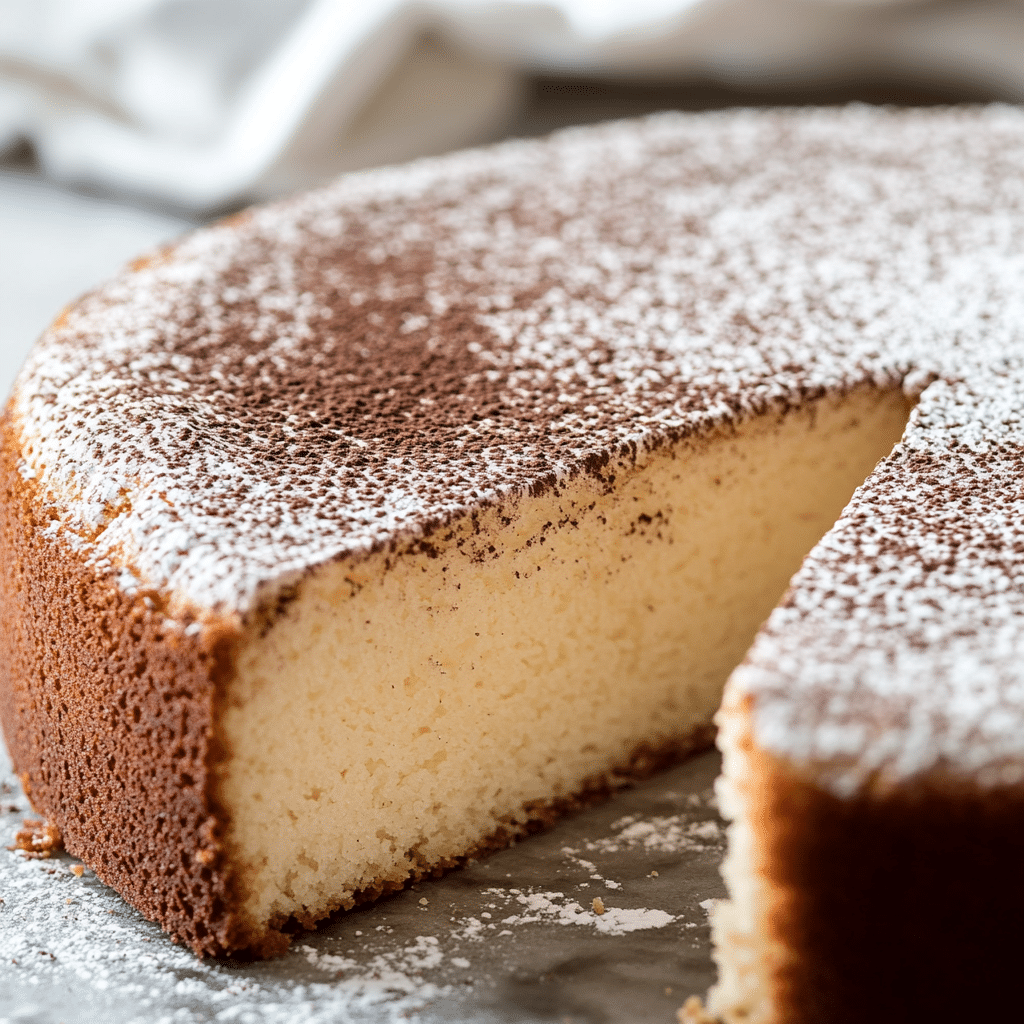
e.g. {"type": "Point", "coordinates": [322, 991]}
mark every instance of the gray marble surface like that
{"type": "Point", "coordinates": [511, 939]}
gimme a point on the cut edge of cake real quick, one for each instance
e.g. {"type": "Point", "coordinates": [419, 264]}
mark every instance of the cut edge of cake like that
{"type": "Point", "coordinates": [523, 656]}
{"type": "Point", "coordinates": [187, 705]}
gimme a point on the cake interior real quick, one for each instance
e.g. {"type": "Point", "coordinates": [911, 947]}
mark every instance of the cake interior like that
{"type": "Point", "coordinates": [411, 705]}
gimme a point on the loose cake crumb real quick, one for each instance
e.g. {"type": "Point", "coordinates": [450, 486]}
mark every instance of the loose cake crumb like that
{"type": "Point", "coordinates": [38, 840]}
{"type": "Point", "coordinates": [78, 870]}
{"type": "Point", "coordinates": [693, 1012]}
{"type": "Point", "coordinates": [598, 905]}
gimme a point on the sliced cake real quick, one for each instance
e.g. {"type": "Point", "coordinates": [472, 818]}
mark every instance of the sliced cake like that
{"type": "Point", "coordinates": [348, 537]}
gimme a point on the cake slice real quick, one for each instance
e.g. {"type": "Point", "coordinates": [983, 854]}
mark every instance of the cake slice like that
{"type": "Point", "coordinates": [347, 538]}
{"type": "Point", "coordinates": [872, 745]}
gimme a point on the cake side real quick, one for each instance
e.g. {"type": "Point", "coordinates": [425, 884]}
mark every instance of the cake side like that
{"type": "Point", "coordinates": [124, 722]}
{"type": "Point", "coordinates": [108, 709]}
{"type": "Point", "coordinates": [893, 907]}
{"type": "Point", "coordinates": [404, 709]}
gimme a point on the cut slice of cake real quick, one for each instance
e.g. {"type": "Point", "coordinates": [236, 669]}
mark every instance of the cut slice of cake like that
{"type": "Point", "coordinates": [873, 764]}
{"type": "Point", "coordinates": [346, 538]}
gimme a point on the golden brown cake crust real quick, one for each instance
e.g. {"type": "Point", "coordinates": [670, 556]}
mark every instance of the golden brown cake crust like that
{"type": "Point", "coordinates": [108, 712]}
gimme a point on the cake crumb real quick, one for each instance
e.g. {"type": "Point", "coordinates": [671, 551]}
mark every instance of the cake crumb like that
{"type": "Point", "coordinates": [693, 1012]}
{"type": "Point", "coordinates": [37, 839]}
{"type": "Point", "coordinates": [78, 870]}
{"type": "Point", "coordinates": [424, 901]}
{"type": "Point", "coordinates": [598, 905]}
{"type": "Point", "coordinates": [654, 874]}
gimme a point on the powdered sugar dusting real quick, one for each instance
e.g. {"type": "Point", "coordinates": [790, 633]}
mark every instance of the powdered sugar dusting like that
{"type": "Point", "coordinates": [351, 368]}
{"type": "Point", "coordinates": [669, 834]}
{"type": "Point", "coordinates": [927, 559]}
{"type": "Point", "coordinates": [557, 908]}
{"type": "Point", "coordinates": [75, 933]}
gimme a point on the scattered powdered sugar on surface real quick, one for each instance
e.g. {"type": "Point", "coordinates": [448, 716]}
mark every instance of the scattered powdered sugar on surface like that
{"type": "Point", "coordinates": [669, 834]}
{"type": "Point", "coordinates": [71, 942]}
{"type": "Point", "coordinates": [77, 935]}
{"type": "Point", "coordinates": [395, 977]}
{"type": "Point", "coordinates": [355, 366]}
{"type": "Point", "coordinates": [557, 908]}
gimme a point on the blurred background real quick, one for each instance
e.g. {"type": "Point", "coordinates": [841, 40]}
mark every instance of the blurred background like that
{"type": "Point", "coordinates": [125, 122]}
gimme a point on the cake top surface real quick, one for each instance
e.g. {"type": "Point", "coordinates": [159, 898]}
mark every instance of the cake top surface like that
{"type": "Point", "coordinates": [326, 375]}
{"type": "Point", "coordinates": [897, 651]}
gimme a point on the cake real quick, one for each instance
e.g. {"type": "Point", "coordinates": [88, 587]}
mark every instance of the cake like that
{"type": "Point", "coordinates": [347, 538]}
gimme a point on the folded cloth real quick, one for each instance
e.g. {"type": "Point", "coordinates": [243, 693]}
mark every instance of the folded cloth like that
{"type": "Point", "coordinates": [204, 103]}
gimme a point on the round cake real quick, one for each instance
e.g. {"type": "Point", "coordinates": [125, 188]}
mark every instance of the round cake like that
{"type": "Point", "coordinates": [348, 537]}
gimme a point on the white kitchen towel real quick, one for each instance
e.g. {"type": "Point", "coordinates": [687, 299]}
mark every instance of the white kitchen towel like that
{"type": "Point", "coordinates": [201, 103]}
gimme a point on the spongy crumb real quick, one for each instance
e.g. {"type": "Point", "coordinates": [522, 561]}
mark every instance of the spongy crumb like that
{"type": "Point", "coordinates": [38, 839]}
{"type": "Point", "coordinates": [598, 905]}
